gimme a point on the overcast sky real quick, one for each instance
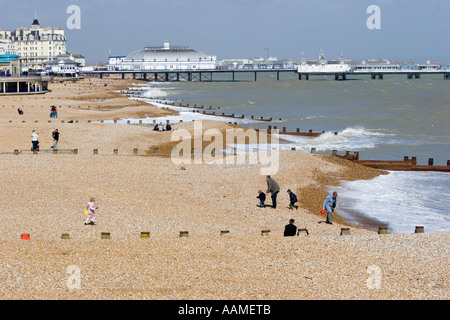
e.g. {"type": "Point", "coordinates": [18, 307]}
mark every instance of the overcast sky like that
{"type": "Point", "coordinates": [413, 30]}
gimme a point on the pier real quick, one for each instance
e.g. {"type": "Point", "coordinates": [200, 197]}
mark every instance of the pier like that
{"type": "Point", "coordinates": [236, 75]}
{"type": "Point", "coordinates": [375, 75]}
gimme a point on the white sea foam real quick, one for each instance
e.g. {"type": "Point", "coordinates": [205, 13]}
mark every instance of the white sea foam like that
{"type": "Point", "coordinates": [350, 139]}
{"type": "Point", "coordinates": [400, 199]}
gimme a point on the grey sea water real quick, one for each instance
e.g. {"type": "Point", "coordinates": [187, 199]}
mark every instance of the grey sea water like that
{"type": "Point", "coordinates": [382, 119]}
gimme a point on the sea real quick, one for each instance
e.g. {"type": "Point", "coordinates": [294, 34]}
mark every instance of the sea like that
{"type": "Point", "coordinates": [381, 119]}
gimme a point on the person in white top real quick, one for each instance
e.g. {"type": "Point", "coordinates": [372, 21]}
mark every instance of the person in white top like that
{"type": "Point", "coordinates": [35, 140]}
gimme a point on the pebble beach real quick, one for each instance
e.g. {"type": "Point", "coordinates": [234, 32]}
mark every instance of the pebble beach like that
{"type": "Point", "coordinates": [45, 194]}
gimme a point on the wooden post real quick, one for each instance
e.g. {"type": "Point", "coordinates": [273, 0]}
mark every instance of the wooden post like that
{"type": "Point", "coordinates": [184, 234]}
{"type": "Point", "coordinates": [145, 235]}
{"type": "Point", "coordinates": [106, 235]}
{"type": "Point", "coordinates": [419, 229]}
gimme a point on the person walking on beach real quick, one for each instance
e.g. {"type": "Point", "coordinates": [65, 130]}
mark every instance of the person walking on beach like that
{"type": "Point", "coordinates": [329, 205]}
{"type": "Point", "coordinates": [35, 140]}
{"type": "Point", "coordinates": [91, 212]}
{"type": "Point", "coordinates": [273, 188]}
{"type": "Point", "coordinates": [55, 135]}
{"type": "Point", "coordinates": [262, 197]}
{"type": "Point", "coordinates": [292, 200]}
{"type": "Point", "coordinates": [291, 229]}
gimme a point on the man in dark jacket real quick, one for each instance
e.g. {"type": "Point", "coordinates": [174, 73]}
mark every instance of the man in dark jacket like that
{"type": "Point", "coordinates": [292, 200]}
{"type": "Point", "coordinates": [273, 188]}
{"type": "Point", "coordinates": [291, 229]}
{"type": "Point", "coordinates": [55, 136]}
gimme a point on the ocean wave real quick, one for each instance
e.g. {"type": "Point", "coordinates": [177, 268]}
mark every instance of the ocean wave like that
{"type": "Point", "coordinates": [349, 139]}
{"type": "Point", "coordinates": [390, 199]}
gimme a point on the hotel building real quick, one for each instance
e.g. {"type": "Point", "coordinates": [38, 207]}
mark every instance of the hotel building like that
{"type": "Point", "coordinates": [37, 44]}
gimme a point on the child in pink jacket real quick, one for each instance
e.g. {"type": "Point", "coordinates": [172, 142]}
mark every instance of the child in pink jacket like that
{"type": "Point", "coordinates": [91, 212]}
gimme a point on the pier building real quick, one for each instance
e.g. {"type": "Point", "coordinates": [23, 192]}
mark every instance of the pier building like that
{"type": "Point", "coordinates": [166, 58]}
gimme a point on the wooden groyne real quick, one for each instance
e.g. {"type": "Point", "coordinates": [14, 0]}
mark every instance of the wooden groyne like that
{"type": "Point", "coordinates": [132, 94]}
{"type": "Point", "coordinates": [284, 131]}
{"type": "Point", "coordinates": [408, 164]}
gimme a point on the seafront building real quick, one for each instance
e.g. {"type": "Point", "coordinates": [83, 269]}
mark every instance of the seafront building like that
{"type": "Point", "coordinates": [36, 45]}
{"type": "Point", "coordinates": [8, 47]}
{"type": "Point", "coordinates": [376, 66]}
{"type": "Point", "coordinates": [166, 57]}
{"type": "Point", "coordinates": [256, 63]}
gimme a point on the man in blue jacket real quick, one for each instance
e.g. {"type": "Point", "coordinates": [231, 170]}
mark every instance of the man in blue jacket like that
{"type": "Point", "coordinates": [329, 205]}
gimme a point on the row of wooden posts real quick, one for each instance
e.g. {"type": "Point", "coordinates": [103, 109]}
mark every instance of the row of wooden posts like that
{"type": "Point", "coordinates": [185, 234]}
{"type": "Point", "coordinates": [348, 155]}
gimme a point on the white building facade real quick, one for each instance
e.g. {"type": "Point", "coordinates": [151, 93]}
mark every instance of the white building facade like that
{"type": "Point", "coordinates": [37, 44]}
{"type": "Point", "coordinates": [165, 58]}
{"type": "Point", "coordinates": [8, 47]}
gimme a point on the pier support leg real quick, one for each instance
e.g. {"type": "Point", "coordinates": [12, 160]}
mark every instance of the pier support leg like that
{"type": "Point", "coordinates": [303, 76]}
